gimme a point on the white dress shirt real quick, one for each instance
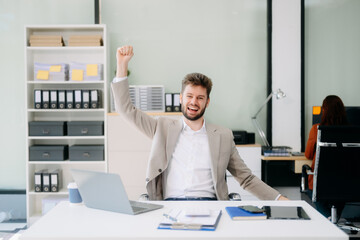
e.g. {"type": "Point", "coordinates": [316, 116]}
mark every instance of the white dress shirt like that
{"type": "Point", "coordinates": [189, 170]}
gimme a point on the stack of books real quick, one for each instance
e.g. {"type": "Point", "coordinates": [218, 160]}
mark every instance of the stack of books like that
{"type": "Point", "coordinates": [46, 41]}
{"type": "Point", "coordinates": [85, 40]}
{"type": "Point", "coordinates": [279, 151]}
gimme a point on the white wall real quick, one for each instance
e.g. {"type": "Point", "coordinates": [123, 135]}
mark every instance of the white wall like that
{"type": "Point", "coordinates": [14, 14]}
{"type": "Point", "coordinates": [286, 59]}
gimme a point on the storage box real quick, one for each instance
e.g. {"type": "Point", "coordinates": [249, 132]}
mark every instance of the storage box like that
{"type": "Point", "coordinates": [86, 72]}
{"type": "Point", "coordinates": [51, 72]}
{"type": "Point", "coordinates": [48, 152]}
{"type": "Point", "coordinates": [86, 153]}
{"type": "Point", "coordinates": [85, 128]}
{"type": "Point", "coordinates": [47, 128]}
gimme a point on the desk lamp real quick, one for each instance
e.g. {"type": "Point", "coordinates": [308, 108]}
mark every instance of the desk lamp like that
{"type": "Point", "coordinates": [279, 94]}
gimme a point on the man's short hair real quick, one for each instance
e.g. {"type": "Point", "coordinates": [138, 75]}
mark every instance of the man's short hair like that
{"type": "Point", "coordinates": [197, 79]}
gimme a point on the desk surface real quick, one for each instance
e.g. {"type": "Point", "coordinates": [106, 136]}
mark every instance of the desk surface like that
{"type": "Point", "coordinates": [299, 161]}
{"type": "Point", "coordinates": [286, 158]}
{"type": "Point", "coordinates": [79, 222]}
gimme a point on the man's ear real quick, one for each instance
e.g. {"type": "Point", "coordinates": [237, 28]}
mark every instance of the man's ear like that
{"type": "Point", "coordinates": [207, 102]}
{"type": "Point", "coordinates": [180, 98]}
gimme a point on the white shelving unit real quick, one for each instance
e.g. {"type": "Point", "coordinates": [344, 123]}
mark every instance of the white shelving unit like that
{"type": "Point", "coordinates": [55, 55]}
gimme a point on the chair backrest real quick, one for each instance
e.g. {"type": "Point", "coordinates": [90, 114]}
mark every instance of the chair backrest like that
{"type": "Point", "coordinates": [337, 164]}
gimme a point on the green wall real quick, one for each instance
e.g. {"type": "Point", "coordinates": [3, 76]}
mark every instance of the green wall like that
{"type": "Point", "coordinates": [225, 40]}
{"type": "Point", "coordinates": [14, 15]}
{"type": "Point", "coordinates": [332, 53]}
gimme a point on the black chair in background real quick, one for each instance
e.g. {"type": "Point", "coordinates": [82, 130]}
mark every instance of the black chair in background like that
{"type": "Point", "coordinates": [337, 167]}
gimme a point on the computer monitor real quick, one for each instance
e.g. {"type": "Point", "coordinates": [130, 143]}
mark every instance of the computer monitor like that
{"type": "Point", "coordinates": [352, 114]}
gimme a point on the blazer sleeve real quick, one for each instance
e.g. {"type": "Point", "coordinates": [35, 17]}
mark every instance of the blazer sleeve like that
{"type": "Point", "coordinates": [247, 180]}
{"type": "Point", "coordinates": [125, 108]}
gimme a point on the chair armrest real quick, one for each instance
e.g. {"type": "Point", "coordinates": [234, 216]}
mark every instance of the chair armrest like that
{"type": "Point", "coordinates": [305, 171]}
{"type": "Point", "coordinates": [234, 197]}
{"type": "Point", "coordinates": [144, 197]}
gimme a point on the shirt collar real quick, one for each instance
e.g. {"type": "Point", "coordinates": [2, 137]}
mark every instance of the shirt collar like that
{"type": "Point", "coordinates": [187, 128]}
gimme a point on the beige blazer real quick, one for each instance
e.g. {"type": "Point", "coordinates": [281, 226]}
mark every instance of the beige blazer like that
{"type": "Point", "coordinates": [164, 133]}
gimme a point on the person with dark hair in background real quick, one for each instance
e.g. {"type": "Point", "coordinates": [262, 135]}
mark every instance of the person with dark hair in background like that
{"type": "Point", "coordinates": [333, 113]}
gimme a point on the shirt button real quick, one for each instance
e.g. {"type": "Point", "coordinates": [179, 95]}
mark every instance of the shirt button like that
{"type": "Point", "coordinates": [146, 179]}
{"type": "Point", "coordinates": [160, 170]}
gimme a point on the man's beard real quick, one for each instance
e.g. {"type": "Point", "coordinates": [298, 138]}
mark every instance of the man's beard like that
{"type": "Point", "coordinates": [183, 108]}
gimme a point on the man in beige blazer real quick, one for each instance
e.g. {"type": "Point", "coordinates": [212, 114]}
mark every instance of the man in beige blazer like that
{"type": "Point", "coordinates": [189, 157]}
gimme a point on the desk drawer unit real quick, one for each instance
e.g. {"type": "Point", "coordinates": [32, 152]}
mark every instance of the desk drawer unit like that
{"type": "Point", "coordinates": [48, 152]}
{"type": "Point", "coordinates": [47, 128]}
{"type": "Point", "coordinates": [86, 153]}
{"type": "Point", "coordinates": [85, 128]}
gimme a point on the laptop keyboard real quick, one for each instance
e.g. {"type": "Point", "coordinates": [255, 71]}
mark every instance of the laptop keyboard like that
{"type": "Point", "coordinates": [137, 209]}
{"type": "Point", "coordinates": [139, 206]}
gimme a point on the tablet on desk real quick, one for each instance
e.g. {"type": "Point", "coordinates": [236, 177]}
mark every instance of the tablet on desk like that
{"type": "Point", "coordinates": [286, 212]}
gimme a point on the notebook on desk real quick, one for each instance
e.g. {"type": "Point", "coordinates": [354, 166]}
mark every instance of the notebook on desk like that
{"type": "Point", "coordinates": [106, 191]}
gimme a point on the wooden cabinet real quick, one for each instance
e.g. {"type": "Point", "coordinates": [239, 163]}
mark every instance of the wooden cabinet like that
{"type": "Point", "coordinates": [129, 151]}
{"type": "Point", "coordinates": [251, 154]}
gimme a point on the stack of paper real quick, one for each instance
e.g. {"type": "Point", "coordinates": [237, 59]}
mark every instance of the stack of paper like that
{"type": "Point", "coordinates": [86, 72]}
{"type": "Point", "coordinates": [52, 72]}
{"type": "Point", "coordinates": [46, 41]}
{"type": "Point", "coordinates": [178, 219]}
{"type": "Point", "coordinates": [149, 98]}
{"type": "Point", "coordinates": [85, 40]}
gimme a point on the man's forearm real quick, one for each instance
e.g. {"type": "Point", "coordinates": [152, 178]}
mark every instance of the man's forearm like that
{"type": "Point", "coordinates": [121, 70]}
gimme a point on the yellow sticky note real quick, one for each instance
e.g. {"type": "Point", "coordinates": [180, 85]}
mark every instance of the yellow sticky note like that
{"type": "Point", "coordinates": [42, 75]}
{"type": "Point", "coordinates": [77, 74]}
{"type": "Point", "coordinates": [55, 68]}
{"type": "Point", "coordinates": [91, 69]}
{"type": "Point", "coordinates": [316, 110]}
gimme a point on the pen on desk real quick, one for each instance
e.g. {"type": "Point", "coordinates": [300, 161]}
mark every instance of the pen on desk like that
{"type": "Point", "coordinates": [170, 217]}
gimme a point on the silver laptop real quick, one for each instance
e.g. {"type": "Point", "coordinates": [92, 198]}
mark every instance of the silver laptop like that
{"type": "Point", "coordinates": [106, 191]}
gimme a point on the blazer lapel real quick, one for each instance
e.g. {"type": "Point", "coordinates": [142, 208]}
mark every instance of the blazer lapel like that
{"type": "Point", "coordinates": [214, 144]}
{"type": "Point", "coordinates": [174, 131]}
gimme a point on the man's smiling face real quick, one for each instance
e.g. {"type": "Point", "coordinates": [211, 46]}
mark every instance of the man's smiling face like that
{"type": "Point", "coordinates": [194, 101]}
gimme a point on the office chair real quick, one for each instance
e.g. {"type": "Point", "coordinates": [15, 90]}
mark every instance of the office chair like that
{"type": "Point", "coordinates": [232, 196]}
{"type": "Point", "coordinates": [337, 166]}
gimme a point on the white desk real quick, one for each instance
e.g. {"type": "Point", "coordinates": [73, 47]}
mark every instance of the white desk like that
{"type": "Point", "coordinates": [79, 222]}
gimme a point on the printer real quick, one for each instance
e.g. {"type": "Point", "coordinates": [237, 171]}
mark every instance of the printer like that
{"type": "Point", "coordinates": [243, 137]}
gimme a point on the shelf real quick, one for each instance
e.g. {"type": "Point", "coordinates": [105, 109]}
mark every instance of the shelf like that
{"type": "Point", "coordinates": [67, 110]}
{"type": "Point", "coordinates": [62, 192]}
{"type": "Point", "coordinates": [65, 82]}
{"type": "Point", "coordinates": [64, 54]}
{"type": "Point", "coordinates": [152, 113]}
{"type": "Point", "coordinates": [66, 162]}
{"type": "Point", "coordinates": [64, 48]}
{"type": "Point", "coordinates": [65, 137]}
